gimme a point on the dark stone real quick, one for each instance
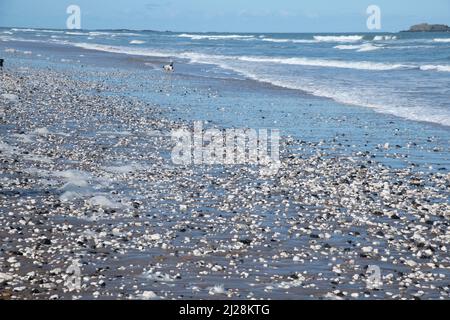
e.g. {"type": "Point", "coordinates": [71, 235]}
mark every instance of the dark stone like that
{"type": "Point", "coordinates": [246, 241]}
{"type": "Point", "coordinates": [46, 242]}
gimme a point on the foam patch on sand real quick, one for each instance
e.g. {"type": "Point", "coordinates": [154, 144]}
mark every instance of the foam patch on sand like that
{"type": "Point", "coordinates": [104, 202]}
{"type": "Point", "coordinates": [9, 97]}
{"type": "Point", "coordinates": [76, 185]}
{"type": "Point", "coordinates": [74, 176]}
{"type": "Point", "coordinates": [79, 185]}
{"type": "Point", "coordinates": [9, 150]}
{"type": "Point", "coordinates": [37, 158]}
{"type": "Point", "coordinates": [114, 133]}
{"type": "Point", "coordinates": [124, 169]}
{"type": "Point", "coordinates": [25, 138]}
{"type": "Point", "coordinates": [6, 148]}
{"type": "Point", "coordinates": [41, 131]}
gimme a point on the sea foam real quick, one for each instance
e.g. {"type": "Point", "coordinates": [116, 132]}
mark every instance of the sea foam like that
{"type": "Point", "coordinates": [215, 37]}
{"type": "Point", "coordinates": [384, 38]}
{"type": "Point", "coordinates": [360, 48]}
{"type": "Point", "coordinates": [358, 65]}
{"type": "Point", "coordinates": [445, 40]}
{"type": "Point", "coordinates": [430, 67]}
{"type": "Point", "coordinates": [137, 42]}
{"type": "Point", "coordinates": [288, 40]}
{"type": "Point", "coordinates": [353, 38]}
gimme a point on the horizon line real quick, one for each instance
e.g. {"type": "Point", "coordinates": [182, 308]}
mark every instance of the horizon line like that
{"type": "Point", "coordinates": [173, 31]}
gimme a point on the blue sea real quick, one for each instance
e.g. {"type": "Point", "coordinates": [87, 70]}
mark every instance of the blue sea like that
{"type": "Point", "coordinates": [402, 74]}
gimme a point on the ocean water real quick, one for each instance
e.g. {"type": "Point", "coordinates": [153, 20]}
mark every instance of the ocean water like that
{"type": "Point", "coordinates": [401, 74]}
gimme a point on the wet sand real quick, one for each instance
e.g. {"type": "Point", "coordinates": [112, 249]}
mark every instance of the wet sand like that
{"type": "Point", "coordinates": [88, 177]}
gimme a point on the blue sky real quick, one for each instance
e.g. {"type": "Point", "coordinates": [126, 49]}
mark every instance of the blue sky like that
{"type": "Point", "coordinates": [225, 15]}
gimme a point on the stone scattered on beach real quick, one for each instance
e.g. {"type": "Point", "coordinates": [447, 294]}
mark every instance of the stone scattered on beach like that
{"type": "Point", "coordinates": [95, 202]}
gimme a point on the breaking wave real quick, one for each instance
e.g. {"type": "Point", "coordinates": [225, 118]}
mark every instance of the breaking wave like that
{"type": "Point", "coordinates": [338, 38]}
{"type": "Point", "coordinates": [215, 37]}
{"type": "Point", "coordinates": [360, 48]}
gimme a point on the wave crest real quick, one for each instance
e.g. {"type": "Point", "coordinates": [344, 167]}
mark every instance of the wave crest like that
{"type": "Point", "coordinates": [215, 37]}
{"type": "Point", "coordinates": [338, 38]}
{"type": "Point", "coordinates": [430, 67]}
{"type": "Point", "coordinates": [359, 48]}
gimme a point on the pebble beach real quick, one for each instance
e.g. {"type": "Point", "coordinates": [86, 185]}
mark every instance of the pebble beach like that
{"type": "Point", "coordinates": [86, 177]}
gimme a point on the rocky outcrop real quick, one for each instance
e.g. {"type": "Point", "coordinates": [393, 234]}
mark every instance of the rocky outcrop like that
{"type": "Point", "coordinates": [425, 27]}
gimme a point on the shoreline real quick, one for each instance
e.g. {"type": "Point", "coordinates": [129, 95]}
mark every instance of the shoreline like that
{"type": "Point", "coordinates": [87, 176]}
{"type": "Point", "coordinates": [146, 60]}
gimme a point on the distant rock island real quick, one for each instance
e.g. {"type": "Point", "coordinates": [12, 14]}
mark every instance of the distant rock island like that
{"type": "Point", "coordinates": [425, 27]}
